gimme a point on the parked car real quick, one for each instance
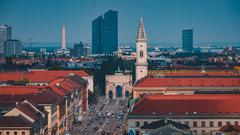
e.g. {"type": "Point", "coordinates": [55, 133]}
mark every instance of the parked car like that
{"type": "Point", "coordinates": [95, 128]}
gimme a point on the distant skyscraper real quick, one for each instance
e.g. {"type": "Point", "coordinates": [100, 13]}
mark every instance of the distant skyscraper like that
{"type": "Point", "coordinates": [80, 49]}
{"type": "Point", "coordinates": [187, 40]}
{"type": "Point", "coordinates": [105, 33]}
{"type": "Point", "coordinates": [5, 34]}
{"type": "Point", "coordinates": [63, 38]}
{"type": "Point", "coordinates": [97, 39]}
{"type": "Point", "coordinates": [12, 47]}
{"type": "Point", "coordinates": [110, 32]}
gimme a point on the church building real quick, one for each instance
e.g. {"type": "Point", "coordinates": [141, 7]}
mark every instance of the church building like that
{"type": "Point", "coordinates": [186, 83]}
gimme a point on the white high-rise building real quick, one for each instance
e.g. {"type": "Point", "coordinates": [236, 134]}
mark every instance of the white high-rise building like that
{"type": "Point", "coordinates": [141, 52]}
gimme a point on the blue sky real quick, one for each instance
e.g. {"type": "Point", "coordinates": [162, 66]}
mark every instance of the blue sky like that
{"type": "Point", "coordinates": [212, 20]}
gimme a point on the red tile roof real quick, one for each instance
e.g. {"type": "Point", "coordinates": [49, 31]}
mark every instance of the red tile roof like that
{"type": "Point", "coordinates": [54, 85]}
{"type": "Point", "coordinates": [188, 82]}
{"type": "Point", "coordinates": [180, 104]}
{"type": "Point", "coordinates": [199, 73]}
{"type": "Point", "coordinates": [40, 76]}
{"type": "Point", "coordinates": [46, 96]}
{"type": "Point", "coordinates": [20, 89]}
{"type": "Point", "coordinates": [29, 111]}
{"type": "Point", "coordinates": [59, 91]}
{"type": "Point", "coordinates": [193, 73]}
{"type": "Point", "coordinates": [65, 85]}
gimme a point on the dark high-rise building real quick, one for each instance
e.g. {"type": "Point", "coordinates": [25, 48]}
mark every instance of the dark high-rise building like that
{"type": "Point", "coordinates": [5, 34]}
{"type": "Point", "coordinates": [187, 40]}
{"type": "Point", "coordinates": [12, 47]}
{"type": "Point", "coordinates": [110, 32]}
{"type": "Point", "coordinates": [80, 49]}
{"type": "Point", "coordinates": [105, 33]}
{"type": "Point", "coordinates": [97, 39]}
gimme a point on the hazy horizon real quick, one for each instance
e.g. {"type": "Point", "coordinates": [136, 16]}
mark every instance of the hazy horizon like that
{"type": "Point", "coordinates": [132, 44]}
{"type": "Point", "coordinates": [212, 20]}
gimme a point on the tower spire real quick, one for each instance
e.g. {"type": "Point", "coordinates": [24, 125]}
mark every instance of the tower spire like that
{"type": "Point", "coordinates": [141, 35]}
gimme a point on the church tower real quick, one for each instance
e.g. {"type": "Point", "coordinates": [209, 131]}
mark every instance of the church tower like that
{"type": "Point", "coordinates": [141, 52]}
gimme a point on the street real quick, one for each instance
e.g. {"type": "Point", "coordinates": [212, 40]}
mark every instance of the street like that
{"type": "Point", "coordinates": [107, 118]}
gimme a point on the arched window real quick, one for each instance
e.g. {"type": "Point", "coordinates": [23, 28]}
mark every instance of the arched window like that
{"type": "Point", "coordinates": [110, 94]}
{"type": "Point", "coordinates": [141, 53]}
{"type": "Point", "coordinates": [126, 93]}
{"type": "Point", "coordinates": [119, 91]}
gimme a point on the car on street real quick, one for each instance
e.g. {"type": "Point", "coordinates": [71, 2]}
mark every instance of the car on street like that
{"type": "Point", "coordinates": [95, 128]}
{"type": "Point", "coordinates": [99, 114]}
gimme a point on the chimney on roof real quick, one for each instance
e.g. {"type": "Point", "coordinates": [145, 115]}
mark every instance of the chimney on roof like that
{"type": "Point", "coordinates": [16, 103]}
{"type": "Point", "coordinates": [71, 74]}
{"type": "Point", "coordinates": [203, 69]}
{"type": "Point", "coordinates": [166, 120]}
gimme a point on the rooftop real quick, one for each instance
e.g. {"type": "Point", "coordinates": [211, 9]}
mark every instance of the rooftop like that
{"type": "Point", "coordinates": [65, 85]}
{"type": "Point", "coordinates": [188, 82]}
{"type": "Point", "coordinates": [196, 73]}
{"type": "Point", "coordinates": [14, 121]}
{"type": "Point", "coordinates": [39, 76]}
{"type": "Point", "coordinates": [29, 110]}
{"type": "Point", "coordinates": [205, 104]}
{"type": "Point", "coordinates": [46, 96]}
{"type": "Point", "coordinates": [20, 89]}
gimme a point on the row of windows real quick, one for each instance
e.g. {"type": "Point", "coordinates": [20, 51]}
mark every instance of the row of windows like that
{"type": "Point", "coordinates": [37, 84]}
{"type": "Point", "coordinates": [204, 131]}
{"type": "Point", "coordinates": [211, 123]}
{"type": "Point", "coordinates": [195, 123]}
{"type": "Point", "coordinates": [15, 133]}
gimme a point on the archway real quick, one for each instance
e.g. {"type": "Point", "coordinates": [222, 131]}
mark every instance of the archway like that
{"type": "Point", "coordinates": [119, 91]}
{"type": "Point", "coordinates": [126, 93]}
{"type": "Point", "coordinates": [110, 94]}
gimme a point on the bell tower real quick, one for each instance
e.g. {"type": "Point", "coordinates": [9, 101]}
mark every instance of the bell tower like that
{"type": "Point", "coordinates": [141, 52]}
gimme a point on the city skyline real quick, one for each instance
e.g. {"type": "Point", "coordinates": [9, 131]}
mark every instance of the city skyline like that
{"type": "Point", "coordinates": [212, 21]}
{"type": "Point", "coordinates": [119, 67]}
